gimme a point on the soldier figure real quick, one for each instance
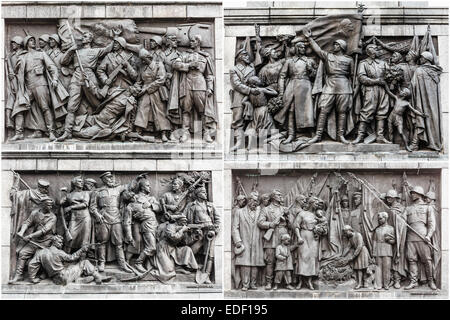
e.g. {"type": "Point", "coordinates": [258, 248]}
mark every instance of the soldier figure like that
{"type": "Point", "coordinates": [12, 85]}
{"type": "Point", "coordinates": [40, 226]}
{"type": "Point", "coordinates": [197, 89]}
{"type": "Point", "coordinates": [383, 240]}
{"type": "Point", "coordinates": [371, 73]}
{"type": "Point", "coordinates": [33, 85]}
{"type": "Point", "coordinates": [77, 88]}
{"type": "Point", "coordinates": [297, 98]}
{"type": "Point", "coordinates": [355, 215]}
{"type": "Point", "coordinates": [104, 208]}
{"type": "Point", "coordinates": [143, 209]}
{"type": "Point", "coordinates": [43, 43]}
{"type": "Point", "coordinates": [172, 200]}
{"type": "Point", "coordinates": [337, 90]}
{"type": "Point", "coordinates": [239, 76]}
{"type": "Point", "coordinates": [52, 260]}
{"type": "Point", "coordinates": [420, 217]}
{"type": "Point", "coordinates": [201, 212]}
{"type": "Point", "coordinates": [272, 220]}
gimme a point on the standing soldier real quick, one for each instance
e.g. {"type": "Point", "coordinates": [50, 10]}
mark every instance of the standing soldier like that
{"type": "Point", "coordinates": [197, 90]}
{"type": "Point", "coordinates": [143, 209]}
{"type": "Point", "coordinates": [33, 87]}
{"type": "Point", "coordinates": [337, 90]}
{"type": "Point", "coordinates": [12, 85]}
{"type": "Point", "coordinates": [40, 227]}
{"type": "Point", "coordinates": [77, 89]}
{"type": "Point", "coordinates": [371, 73]}
{"type": "Point", "coordinates": [43, 43]}
{"type": "Point", "coordinates": [173, 200]}
{"type": "Point", "coordinates": [398, 218]}
{"type": "Point", "coordinates": [201, 212]}
{"type": "Point", "coordinates": [104, 207]}
{"type": "Point", "coordinates": [57, 55]}
{"type": "Point", "coordinates": [420, 217]}
{"type": "Point", "coordinates": [356, 221]}
{"type": "Point", "coordinates": [272, 220]}
{"type": "Point", "coordinates": [383, 240]}
{"type": "Point", "coordinates": [297, 98]}
{"type": "Point", "coordinates": [171, 54]}
{"type": "Point", "coordinates": [239, 76]}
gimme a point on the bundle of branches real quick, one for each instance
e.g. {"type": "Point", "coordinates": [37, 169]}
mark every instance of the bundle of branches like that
{"type": "Point", "coordinates": [275, 104]}
{"type": "Point", "coordinates": [336, 271]}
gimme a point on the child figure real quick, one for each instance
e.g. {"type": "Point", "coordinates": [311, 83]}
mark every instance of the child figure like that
{"type": "Point", "coordinates": [383, 240]}
{"type": "Point", "coordinates": [360, 256]}
{"type": "Point", "coordinates": [255, 108]}
{"type": "Point", "coordinates": [395, 119]}
{"type": "Point", "coordinates": [284, 265]}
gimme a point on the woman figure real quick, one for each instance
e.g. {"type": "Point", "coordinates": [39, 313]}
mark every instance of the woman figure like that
{"type": "Point", "coordinates": [151, 107]}
{"type": "Point", "coordinates": [360, 257]}
{"type": "Point", "coordinates": [76, 203]}
{"type": "Point", "coordinates": [270, 73]}
{"type": "Point", "coordinates": [307, 264]}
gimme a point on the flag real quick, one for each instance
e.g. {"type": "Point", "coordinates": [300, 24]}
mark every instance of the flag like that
{"type": "Point", "coordinates": [325, 30]}
{"type": "Point", "coordinates": [427, 45]}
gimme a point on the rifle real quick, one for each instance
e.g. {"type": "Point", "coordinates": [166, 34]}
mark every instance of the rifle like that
{"type": "Point", "coordinates": [63, 219]}
{"type": "Point", "coordinates": [77, 53]}
{"type": "Point", "coordinates": [31, 241]}
{"type": "Point", "coordinates": [184, 195]}
{"type": "Point", "coordinates": [364, 183]}
{"type": "Point", "coordinates": [103, 91]}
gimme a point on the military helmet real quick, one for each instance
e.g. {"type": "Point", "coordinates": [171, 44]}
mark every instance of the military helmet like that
{"type": "Point", "coordinates": [55, 37]}
{"type": "Point", "coordinates": [431, 195]}
{"type": "Point", "coordinates": [157, 39]}
{"type": "Point", "coordinates": [45, 37]}
{"type": "Point", "coordinates": [341, 43]}
{"type": "Point", "coordinates": [392, 194]}
{"type": "Point", "coordinates": [18, 40]}
{"type": "Point", "coordinates": [26, 39]}
{"type": "Point", "coordinates": [418, 190]}
{"type": "Point", "coordinates": [427, 55]}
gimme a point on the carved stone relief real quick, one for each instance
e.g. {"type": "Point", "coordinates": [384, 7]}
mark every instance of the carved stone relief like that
{"type": "Point", "coordinates": [116, 79]}
{"type": "Point", "coordinates": [336, 230]}
{"type": "Point", "coordinates": [88, 228]}
{"type": "Point", "coordinates": [329, 82]}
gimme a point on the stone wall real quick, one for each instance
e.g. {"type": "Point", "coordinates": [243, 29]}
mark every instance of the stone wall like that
{"type": "Point", "coordinates": [270, 170]}
{"type": "Point", "coordinates": [383, 19]}
{"type": "Point", "coordinates": [132, 158]}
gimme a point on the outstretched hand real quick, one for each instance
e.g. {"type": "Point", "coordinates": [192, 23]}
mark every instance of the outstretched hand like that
{"type": "Point", "coordinates": [117, 31]}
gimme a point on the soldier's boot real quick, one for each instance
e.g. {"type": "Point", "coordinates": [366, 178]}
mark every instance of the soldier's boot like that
{"type": "Point", "coordinates": [275, 287]}
{"type": "Point", "coordinates": [19, 121]}
{"type": "Point", "coordinates": [414, 144]}
{"type": "Point", "coordinates": [320, 127]}
{"type": "Point", "coordinates": [20, 265]}
{"type": "Point", "coordinates": [240, 140]}
{"type": "Point", "coordinates": [35, 280]}
{"type": "Point", "coordinates": [101, 251]}
{"type": "Point", "coordinates": [36, 134]}
{"type": "Point", "coordinates": [268, 283]}
{"type": "Point", "coordinates": [361, 133]}
{"type": "Point", "coordinates": [291, 128]}
{"type": "Point", "coordinates": [99, 279]}
{"type": "Point", "coordinates": [253, 285]}
{"type": "Point", "coordinates": [51, 135]}
{"type": "Point", "coordinates": [309, 283]}
{"type": "Point", "coordinates": [9, 122]}
{"type": "Point", "coordinates": [139, 264]}
{"type": "Point", "coordinates": [397, 278]}
{"type": "Point", "coordinates": [121, 260]}
{"type": "Point", "coordinates": [429, 274]}
{"type": "Point", "coordinates": [165, 136]}
{"type": "Point", "coordinates": [65, 135]}
{"type": "Point", "coordinates": [252, 142]}
{"type": "Point", "coordinates": [185, 136]}
{"type": "Point", "coordinates": [209, 265]}
{"type": "Point", "coordinates": [207, 137]}
{"type": "Point", "coordinates": [413, 273]}
{"type": "Point", "coordinates": [342, 119]}
{"type": "Point", "coordinates": [290, 287]}
{"type": "Point", "coordinates": [380, 133]}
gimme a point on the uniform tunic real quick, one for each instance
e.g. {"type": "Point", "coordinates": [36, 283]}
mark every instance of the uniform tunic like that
{"type": "Point", "coordinates": [80, 219]}
{"type": "Point", "coordinates": [151, 108]}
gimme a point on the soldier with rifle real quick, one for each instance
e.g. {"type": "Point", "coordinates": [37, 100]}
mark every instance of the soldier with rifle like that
{"type": "Point", "coordinates": [39, 227]}
{"type": "Point", "coordinates": [53, 261]}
